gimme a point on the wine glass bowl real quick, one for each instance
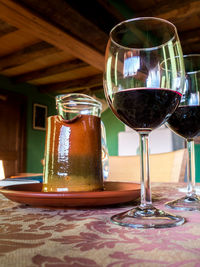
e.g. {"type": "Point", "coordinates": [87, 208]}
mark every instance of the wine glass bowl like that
{"type": "Point", "coordinates": [142, 95]}
{"type": "Point", "coordinates": [185, 122]}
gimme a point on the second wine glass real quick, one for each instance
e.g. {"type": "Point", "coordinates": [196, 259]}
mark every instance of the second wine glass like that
{"type": "Point", "coordinates": [186, 123]}
{"type": "Point", "coordinates": [143, 96]}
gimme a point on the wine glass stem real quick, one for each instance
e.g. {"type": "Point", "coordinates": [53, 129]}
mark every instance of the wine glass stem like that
{"type": "Point", "coordinates": [145, 178]}
{"type": "Point", "coordinates": [190, 169]}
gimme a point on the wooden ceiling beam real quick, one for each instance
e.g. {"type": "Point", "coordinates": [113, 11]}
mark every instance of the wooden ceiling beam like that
{"type": "Point", "coordinates": [45, 72]}
{"type": "Point", "coordinates": [73, 85]}
{"type": "Point", "coordinates": [26, 55]}
{"type": "Point", "coordinates": [20, 17]}
{"type": "Point", "coordinates": [69, 18]}
{"type": "Point", "coordinates": [173, 10]}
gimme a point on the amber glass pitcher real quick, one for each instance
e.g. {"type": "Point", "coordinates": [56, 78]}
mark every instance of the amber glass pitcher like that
{"type": "Point", "coordinates": [73, 146]}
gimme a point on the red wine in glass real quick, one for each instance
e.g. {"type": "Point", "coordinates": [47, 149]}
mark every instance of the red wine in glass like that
{"type": "Point", "coordinates": [145, 109]}
{"type": "Point", "coordinates": [185, 121]}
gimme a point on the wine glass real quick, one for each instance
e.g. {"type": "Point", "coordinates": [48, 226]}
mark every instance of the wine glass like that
{"type": "Point", "coordinates": [185, 122]}
{"type": "Point", "coordinates": [142, 95]}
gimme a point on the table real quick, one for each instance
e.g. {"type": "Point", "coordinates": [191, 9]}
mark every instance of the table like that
{"type": "Point", "coordinates": [86, 237]}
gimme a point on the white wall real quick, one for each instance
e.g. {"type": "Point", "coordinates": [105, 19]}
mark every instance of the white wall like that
{"type": "Point", "coordinates": [160, 140]}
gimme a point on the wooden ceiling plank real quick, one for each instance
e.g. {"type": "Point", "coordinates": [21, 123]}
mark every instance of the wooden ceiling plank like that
{"type": "Point", "coordinates": [111, 10]}
{"type": "Point", "coordinates": [191, 48]}
{"type": "Point", "coordinates": [173, 10]}
{"type": "Point", "coordinates": [15, 41]}
{"type": "Point", "coordinates": [38, 63]}
{"type": "Point", "coordinates": [190, 41]}
{"type": "Point", "coordinates": [5, 28]}
{"type": "Point", "coordinates": [66, 76]}
{"type": "Point", "coordinates": [26, 55]}
{"type": "Point", "coordinates": [73, 85]}
{"type": "Point", "coordinates": [189, 37]}
{"type": "Point", "coordinates": [87, 91]}
{"type": "Point", "coordinates": [18, 16]}
{"type": "Point", "coordinates": [45, 72]}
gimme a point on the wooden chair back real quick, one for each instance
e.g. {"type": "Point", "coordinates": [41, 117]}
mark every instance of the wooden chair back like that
{"type": "Point", "coordinates": [164, 167]}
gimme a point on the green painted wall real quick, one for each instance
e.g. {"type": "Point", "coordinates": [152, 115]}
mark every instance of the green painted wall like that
{"type": "Point", "coordinates": [35, 138]}
{"type": "Point", "coordinates": [113, 127]}
{"type": "Point", "coordinates": [197, 162]}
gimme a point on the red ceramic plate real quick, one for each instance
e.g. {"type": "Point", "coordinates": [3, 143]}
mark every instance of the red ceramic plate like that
{"type": "Point", "coordinates": [31, 194]}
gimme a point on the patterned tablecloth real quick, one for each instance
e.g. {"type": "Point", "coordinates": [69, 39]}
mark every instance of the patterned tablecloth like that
{"type": "Point", "coordinates": [86, 237]}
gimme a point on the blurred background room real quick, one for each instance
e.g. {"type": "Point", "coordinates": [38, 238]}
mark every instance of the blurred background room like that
{"type": "Point", "coordinates": [51, 47]}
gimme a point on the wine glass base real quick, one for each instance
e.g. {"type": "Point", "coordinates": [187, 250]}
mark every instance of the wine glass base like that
{"type": "Point", "coordinates": [149, 217]}
{"type": "Point", "coordinates": [185, 203]}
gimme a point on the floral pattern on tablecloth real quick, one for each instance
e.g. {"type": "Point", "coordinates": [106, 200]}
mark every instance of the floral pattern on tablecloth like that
{"type": "Point", "coordinates": [50, 237]}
